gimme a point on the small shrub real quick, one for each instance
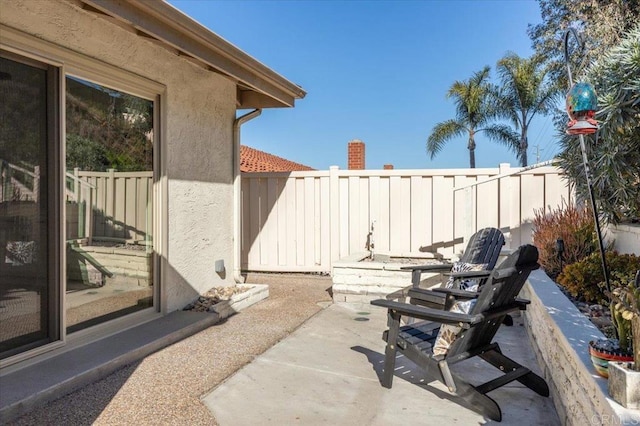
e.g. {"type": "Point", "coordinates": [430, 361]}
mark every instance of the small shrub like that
{"type": "Point", "coordinates": [584, 279]}
{"type": "Point", "coordinates": [574, 225]}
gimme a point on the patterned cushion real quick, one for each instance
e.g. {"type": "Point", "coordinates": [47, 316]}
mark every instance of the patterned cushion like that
{"type": "Point", "coordinates": [448, 333]}
{"type": "Point", "coordinates": [468, 284]}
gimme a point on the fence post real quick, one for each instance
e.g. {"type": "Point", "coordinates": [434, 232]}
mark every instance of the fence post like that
{"type": "Point", "coordinates": [334, 214]}
{"type": "Point", "coordinates": [110, 207]}
{"type": "Point", "coordinates": [504, 201]}
{"type": "Point", "coordinates": [76, 186]}
{"type": "Point", "coordinates": [88, 212]}
{"type": "Point", "coordinates": [469, 208]}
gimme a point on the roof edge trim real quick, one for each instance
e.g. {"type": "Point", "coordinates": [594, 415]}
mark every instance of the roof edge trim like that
{"type": "Point", "coordinates": [171, 26]}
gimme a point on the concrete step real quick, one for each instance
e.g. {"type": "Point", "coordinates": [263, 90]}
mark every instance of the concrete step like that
{"type": "Point", "coordinates": [24, 389]}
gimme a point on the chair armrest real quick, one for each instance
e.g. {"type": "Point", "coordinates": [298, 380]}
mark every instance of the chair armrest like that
{"type": "Point", "coordinates": [444, 317]}
{"type": "Point", "coordinates": [468, 274]}
{"type": "Point", "coordinates": [429, 314]}
{"type": "Point", "coordinates": [457, 293]}
{"type": "Point", "coordinates": [420, 296]}
{"type": "Point", "coordinates": [440, 267]}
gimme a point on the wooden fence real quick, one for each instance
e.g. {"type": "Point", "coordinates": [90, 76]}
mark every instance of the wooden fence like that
{"type": "Point", "coordinates": [303, 221]}
{"type": "Point", "coordinates": [117, 205]}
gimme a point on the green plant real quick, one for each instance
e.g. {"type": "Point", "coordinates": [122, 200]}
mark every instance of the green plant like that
{"type": "Point", "coordinates": [585, 280]}
{"type": "Point", "coordinates": [574, 225]}
{"type": "Point", "coordinates": [625, 312]}
{"type": "Point", "coordinates": [614, 154]}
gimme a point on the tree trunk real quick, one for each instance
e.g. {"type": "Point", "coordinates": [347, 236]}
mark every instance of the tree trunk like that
{"type": "Point", "coordinates": [524, 145]}
{"type": "Point", "coordinates": [472, 150]}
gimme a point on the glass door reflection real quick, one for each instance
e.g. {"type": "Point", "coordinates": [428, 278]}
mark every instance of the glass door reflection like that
{"type": "Point", "coordinates": [108, 193]}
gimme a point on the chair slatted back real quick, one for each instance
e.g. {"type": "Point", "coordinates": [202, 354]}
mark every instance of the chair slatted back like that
{"type": "Point", "coordinates": [484, 247]}
{"type": "Point", "coordinates": [496, 293]}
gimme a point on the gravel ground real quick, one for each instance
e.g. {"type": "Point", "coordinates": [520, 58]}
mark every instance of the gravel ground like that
{"type": "Point", "coordinates": [165, 388]}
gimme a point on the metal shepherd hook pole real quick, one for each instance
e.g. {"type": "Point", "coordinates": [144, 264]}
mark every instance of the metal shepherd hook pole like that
{"type": "Point", "coordinates": [585, 162]}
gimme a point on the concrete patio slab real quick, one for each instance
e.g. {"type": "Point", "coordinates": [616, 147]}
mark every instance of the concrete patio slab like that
{"type": "Point", "coordinates": [327, 372]}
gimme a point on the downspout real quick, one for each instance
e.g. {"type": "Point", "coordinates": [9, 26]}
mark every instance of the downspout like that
{"type": "Point", "coordinates": [237, 211]}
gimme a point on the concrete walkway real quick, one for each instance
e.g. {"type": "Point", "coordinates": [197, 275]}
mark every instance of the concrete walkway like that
{"type": "Point", "coordinates": [327, 373]}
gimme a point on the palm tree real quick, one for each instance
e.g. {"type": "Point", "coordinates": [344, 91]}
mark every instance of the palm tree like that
{"type": "Point", "coordinates": [475, 110]}
{"type": "Point", "coordinates": [525, 91]}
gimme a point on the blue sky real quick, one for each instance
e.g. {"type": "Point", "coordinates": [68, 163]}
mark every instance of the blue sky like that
{"type": "Point", "coordinates": [376, 71]}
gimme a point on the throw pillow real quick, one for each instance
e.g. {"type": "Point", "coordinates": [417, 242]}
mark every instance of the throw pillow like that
{"type": "Point", "coordinates": [469, 284]}
{"type": "Point", "coordinates": [448, 333]}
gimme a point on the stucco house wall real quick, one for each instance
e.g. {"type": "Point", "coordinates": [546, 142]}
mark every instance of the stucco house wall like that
{"type": "Point", "coordinates": [198, 110]}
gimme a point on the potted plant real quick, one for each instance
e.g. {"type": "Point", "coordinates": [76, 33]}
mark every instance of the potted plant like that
{"type": "Point", "coordinates": [604, 351]}
{"type": "Point", "coordinates": [624, 377]}
{"type": "Point", "coordinates": [584, 281]}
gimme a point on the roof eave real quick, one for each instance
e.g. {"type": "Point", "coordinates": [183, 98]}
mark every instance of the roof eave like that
{"type": "Point", "coordinates": [261, 86]}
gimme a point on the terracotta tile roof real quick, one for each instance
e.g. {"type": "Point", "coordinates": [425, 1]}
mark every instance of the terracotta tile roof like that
{"type": "Point", "coordinates": [254, 160]}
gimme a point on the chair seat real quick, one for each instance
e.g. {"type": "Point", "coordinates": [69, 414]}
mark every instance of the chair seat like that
{"type": "Point", "coordinates": [421, 335]}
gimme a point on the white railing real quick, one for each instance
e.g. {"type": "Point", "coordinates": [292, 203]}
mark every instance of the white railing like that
{"type": "Point", "coordinates": [303, 221]}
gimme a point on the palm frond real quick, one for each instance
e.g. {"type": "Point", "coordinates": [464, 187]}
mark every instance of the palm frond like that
{"type": "Point", "coordinates": [442, 133]}
{"type": "Point", "coordinates": [502, 134]}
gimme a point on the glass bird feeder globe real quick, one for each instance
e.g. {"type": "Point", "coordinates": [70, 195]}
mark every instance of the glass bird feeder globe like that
{"type": "Point", "coordinates": [582, 104]}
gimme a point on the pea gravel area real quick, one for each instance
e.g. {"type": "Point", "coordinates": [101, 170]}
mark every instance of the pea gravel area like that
{"type": "Point", "coordinates": [166, 387]}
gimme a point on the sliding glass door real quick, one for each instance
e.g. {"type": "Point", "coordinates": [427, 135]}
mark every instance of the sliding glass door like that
{"type": "Point", "coordinates": [29, 257]}
{"type": "Point", "coordinates": [76, 232]}
{"type": "Point", "coordinates": [108, 203]}
{"type": "Point", "coordinates": [76, 215]}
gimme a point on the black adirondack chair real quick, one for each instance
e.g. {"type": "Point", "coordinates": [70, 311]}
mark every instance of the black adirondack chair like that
{"type": "Point", "coordinates": [477, 329]}
{"type": "Point", "coordinates": [483, 249]}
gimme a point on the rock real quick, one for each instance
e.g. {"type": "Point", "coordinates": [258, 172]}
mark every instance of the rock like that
{"type": "Point", "coordinates": [207, 301]}
{"type": "Point", "coordinates": [596, 310]}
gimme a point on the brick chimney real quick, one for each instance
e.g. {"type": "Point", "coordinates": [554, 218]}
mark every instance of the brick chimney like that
{"type": "Point", "coordinates": [387, 167]}
{"type": "Point", "coordinates": [356, 155]}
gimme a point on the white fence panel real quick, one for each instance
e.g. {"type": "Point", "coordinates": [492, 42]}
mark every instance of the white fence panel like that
{"type": "Point", "coordinates": [120, 204]}
{"type": "Point", "coordinates": [303, 221]}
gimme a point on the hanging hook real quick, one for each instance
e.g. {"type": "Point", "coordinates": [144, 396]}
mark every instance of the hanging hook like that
{"type": "Point", "coordinates": [576, 36]}
{"type": "Point", "coordinates": [566, 51]}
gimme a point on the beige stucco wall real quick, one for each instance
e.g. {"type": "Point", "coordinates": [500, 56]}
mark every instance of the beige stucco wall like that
{"type": "Point", "coordinates": [199, 109]}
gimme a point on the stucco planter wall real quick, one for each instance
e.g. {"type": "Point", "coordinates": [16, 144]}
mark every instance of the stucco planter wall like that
{"type": "Point", "coordinates": [560, 337]}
